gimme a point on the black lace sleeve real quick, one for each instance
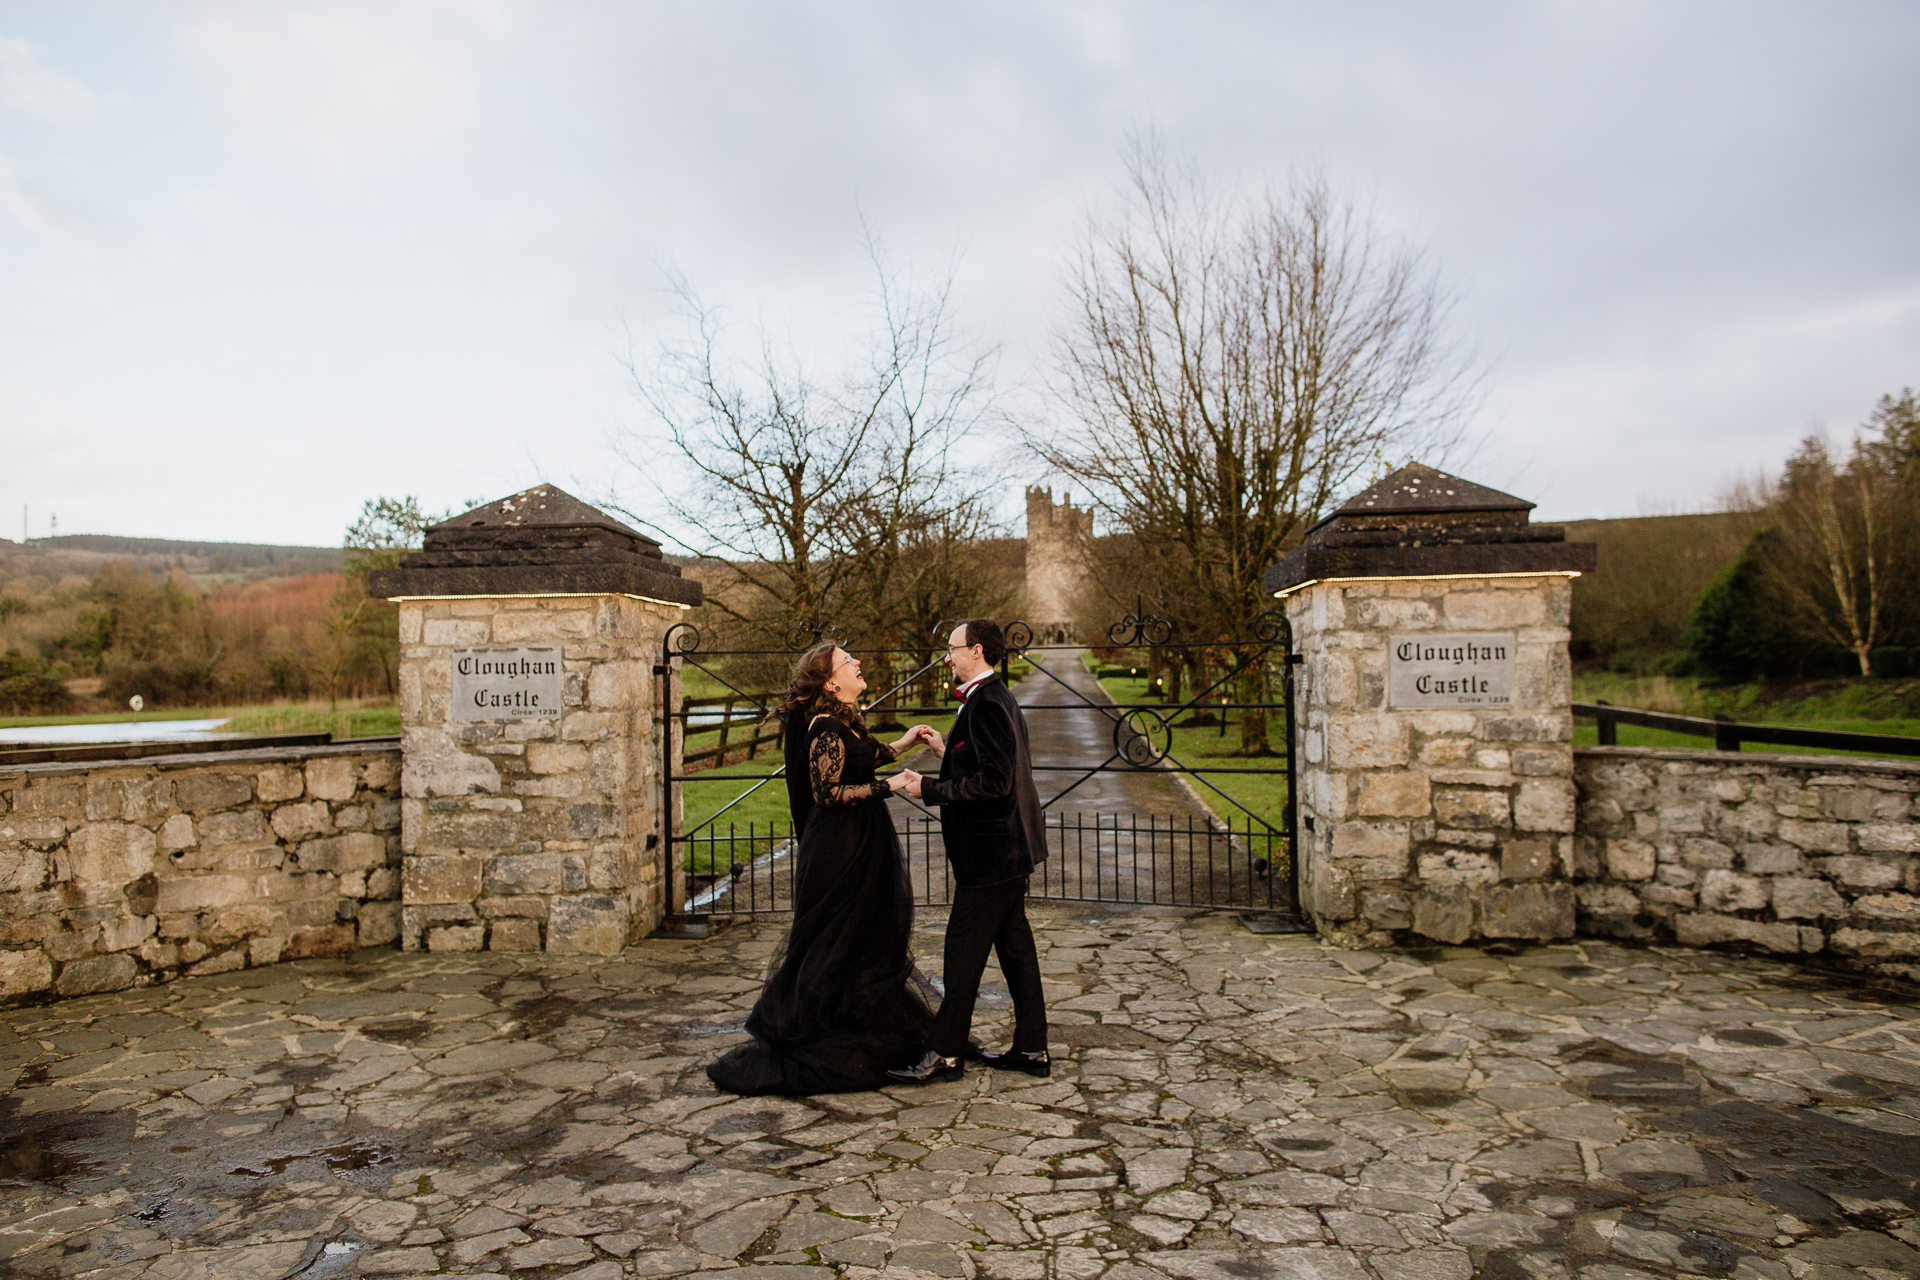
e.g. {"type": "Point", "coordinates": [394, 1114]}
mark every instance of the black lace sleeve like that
{"type": "Point", "coordinates": [827, 764]}
{"type": "Point", "coordinates": [883, 753]}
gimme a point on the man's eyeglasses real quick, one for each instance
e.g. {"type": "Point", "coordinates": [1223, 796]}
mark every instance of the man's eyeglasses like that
{"type": "Point", "coordinates": [961, 648]}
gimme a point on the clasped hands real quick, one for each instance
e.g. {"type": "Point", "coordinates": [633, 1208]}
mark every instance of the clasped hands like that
{"type": "Point", "coordinates": [907, 782]}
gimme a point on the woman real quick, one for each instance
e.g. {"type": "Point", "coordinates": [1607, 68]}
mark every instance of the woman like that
{"type": "Point", "coordinates": [841, 1004]}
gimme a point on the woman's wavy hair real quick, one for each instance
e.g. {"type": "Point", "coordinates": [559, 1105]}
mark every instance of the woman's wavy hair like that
{"type": "Point", "coordinates": [806, 693]}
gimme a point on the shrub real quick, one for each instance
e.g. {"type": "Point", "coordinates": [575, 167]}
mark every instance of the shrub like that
{"type": "Point", "coordinates": [28, 688]}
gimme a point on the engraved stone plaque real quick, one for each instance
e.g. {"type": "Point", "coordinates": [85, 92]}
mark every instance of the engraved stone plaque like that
{"type": "Point", "coordinates": [507, 684]}
{"type": "Point", "coordinates": [1450, 670]}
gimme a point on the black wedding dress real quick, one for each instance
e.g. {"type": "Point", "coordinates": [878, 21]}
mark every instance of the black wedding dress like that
{"type": "Point", "coordinates": [843, 1001]}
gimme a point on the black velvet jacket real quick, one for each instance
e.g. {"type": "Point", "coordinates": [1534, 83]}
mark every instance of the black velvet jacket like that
{"type": "Point", "coordinates": [989, 810]}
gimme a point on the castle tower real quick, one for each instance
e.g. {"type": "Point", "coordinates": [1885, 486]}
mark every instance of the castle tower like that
{"type": "Point", "coordinates": [1057, 540]}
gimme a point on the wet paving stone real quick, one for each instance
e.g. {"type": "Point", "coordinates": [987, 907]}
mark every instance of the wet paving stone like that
{"type": "Point", "coordinates": [1223, 1105]}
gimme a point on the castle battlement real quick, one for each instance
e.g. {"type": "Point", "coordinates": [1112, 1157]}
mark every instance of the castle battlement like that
{"type": "Point", "coordinates": [1058, 534]}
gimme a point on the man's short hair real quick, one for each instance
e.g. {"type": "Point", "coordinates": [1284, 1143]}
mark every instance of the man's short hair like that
{"type": "Point", "coordinates": [986, 633]}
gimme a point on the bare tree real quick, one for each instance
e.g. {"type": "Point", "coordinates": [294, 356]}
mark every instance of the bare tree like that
{"type": "Point", "coordinates": [1832, 558]}
{"type": "Point", "coordinates": [810, 495]}
{"type": "Point", "coordinates": [1232, 362]}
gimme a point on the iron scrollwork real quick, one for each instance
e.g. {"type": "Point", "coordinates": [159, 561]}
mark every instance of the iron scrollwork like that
{"type": "Point", "coordinates": [1142, 737]}
{"type": "Point", "coordinates": [1138, 628]}
{"type": "Point", "coordinates": [804, 635]}
{"type": "Point", "coordinates": [1019, 638]}
{"type": "Point", "coordinates": [681, 637]}
{"type": "Point", "coordinates": [1271, 627]}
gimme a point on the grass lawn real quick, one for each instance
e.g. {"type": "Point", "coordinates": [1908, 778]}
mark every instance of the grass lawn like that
{"type": "Point", "coordinates": [1202, 746]}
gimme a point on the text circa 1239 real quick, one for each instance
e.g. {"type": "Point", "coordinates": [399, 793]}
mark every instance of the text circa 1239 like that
{"type": "Point", "coordinates": [507, 684]}
{"type": "Point", "coordinates": [1449, 670]}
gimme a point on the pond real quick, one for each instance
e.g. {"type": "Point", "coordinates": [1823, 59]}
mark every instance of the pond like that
{"type": "Point", "coordinates": [125, 731]}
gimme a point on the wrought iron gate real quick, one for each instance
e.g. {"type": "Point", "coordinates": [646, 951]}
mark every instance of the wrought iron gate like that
{"type": "Point", "coordinates": [1221, 854]}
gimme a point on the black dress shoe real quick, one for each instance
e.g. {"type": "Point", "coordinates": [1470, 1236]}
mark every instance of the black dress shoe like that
{"type": "Point", "coordinates": [930, 1068]}
{"type": "Point", "coordinates": [1034, 1064]}
{"type": "Point", "coordinates": [973, 1052]}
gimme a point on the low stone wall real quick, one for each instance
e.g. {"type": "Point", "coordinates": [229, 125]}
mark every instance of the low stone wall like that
{"type": "Point", "coordinates": [1792, 854]}
{"type": "Point", "coordinates": [121, 874]}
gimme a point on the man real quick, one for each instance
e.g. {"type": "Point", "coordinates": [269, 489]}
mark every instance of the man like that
{"type": "Point", "coordinates": [995, 835]}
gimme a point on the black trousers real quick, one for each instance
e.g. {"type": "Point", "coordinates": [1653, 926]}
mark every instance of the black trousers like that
{"type": "Point", "coordinates": [991, 918]}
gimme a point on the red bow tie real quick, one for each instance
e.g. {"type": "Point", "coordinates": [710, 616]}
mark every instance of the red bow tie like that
{"type": "Point", "coordinates": [961, 691]}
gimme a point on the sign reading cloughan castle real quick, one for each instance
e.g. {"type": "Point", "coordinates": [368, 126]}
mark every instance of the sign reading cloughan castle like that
{"type": "Point", "coordinates": [507, 684]}
{"type": "Point", "coordinates": [1449, 670]}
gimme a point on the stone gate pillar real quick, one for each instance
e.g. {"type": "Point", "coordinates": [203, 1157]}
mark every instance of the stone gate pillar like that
{"type": "Point", "coordinates": [531, 753]}
{"type": "Point", "coordinates": [1434, 700]}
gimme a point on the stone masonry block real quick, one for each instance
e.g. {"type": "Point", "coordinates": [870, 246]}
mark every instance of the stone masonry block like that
{"type": "Point", "coordinates": [131, 798]}
{"type": "Point", "coordinates": [1526, 859]}
{"type": "Point", "coordinates": [377, 924]}
{"type": "Point", "coordinates": [22, 870]}
{"type": "Point", "coordinates": [1327, 890]}
{"type": "Point", "coordinates": [1470, 808]}
{"type": "Point", "coordinates": [1543, 761]}
{"type": "Point", "coordinates": [1386, 909]}
{"type": "Point", "coordinates": [1873, 945]}
{"type": "Point", "coordinates": [1367, 742]}
{"type": "Point", "coordinates": [556, 757]}
{"type": "Point", "coordinates": [454, 633]}
{"type": "Point", "coordinates": [1888, 838]}
{"type": "Point", "coordinates": [1806, 898]}
{"type": "Point", "coordinates": [1545, 804]}
{"type": "Point", "coordinates": [1457, 867]}
{"type": "Point", "coordinates": [332, 778]}
{"type": "Point", "coordinates": [456, 937]}
{"type": "Point", "coordinates": [1864, 873]}
{"type": "Point", "coordinates": [354, 851]}
{"type": "Point", "coordinates": [1391, 795]}
{"type": "Point", "coordinates": [1815, 837]}
{"type": "Point", "coordinates": [205, 792]}
{"type": "Point", "coordinates": [435, 765]}
{"type": "Point", "coordinates": [1444, 913]}
{"type": "Point", "coordinates": [1495, 610]}
{"type": "Point", "coordinates": [542, 625]}
{"type": "Point", "coordinates": [440, 880]}
{"type": "Point", "coordinates": [279, 783]}
{"type": "Point", "coordinates": [111, 853]}
{"type": "Point", "coordinates": [1630, 860]}
{"type": "Point", "coordinates": [245, 826]}
{"type": "Point", "coordinates": [1701, 930]}
{"type": "Point", "coordinates": [1888, 911]}
{"type": "Point", "coordinates": [1608, 900]}
{"type": "Point", "coordinates": [588, 924]}
{"type": "Point", "coordinates": [62, 799]}
{"type": "Point", "coordinates": [1372, 850]}
{"type": "Point", "coordinates": [513, 935]}
{"type": "Point", "coordinates": [177, 833]}
{"type": "Point", "coordinates": [1770, 859]}
{"type": "Point", "coordinates": [299, 821]}
{"type": "Point", "coordinates": [23, 972]}
{"type": "Point", "coordinates": [1725, 891]}
{"type": "Point", "coordinates": [1538, 911]}
{"type": "Point", "coordinates": [96, 974]}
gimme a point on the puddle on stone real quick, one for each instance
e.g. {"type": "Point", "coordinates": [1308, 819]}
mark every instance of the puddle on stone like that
{"type": "Point", "coordinates": [1432, 1098]}
{"type": "Point", "coordinates": [344, 1158]}
{"type": "Point", "coordinates": [404, 1033]}
{"type": "Point", "coordinates": [39, 1158]}
{"type": "Point", "coordinates": [1750, 1036]}
{"type": "Point", "coordinates": [544, 1014]}
{"type": "Point", "coordinates": [698, 1029]}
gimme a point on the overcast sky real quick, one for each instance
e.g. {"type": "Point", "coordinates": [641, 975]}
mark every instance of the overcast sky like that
{"type": "Point", "coordinates": [261, 261]}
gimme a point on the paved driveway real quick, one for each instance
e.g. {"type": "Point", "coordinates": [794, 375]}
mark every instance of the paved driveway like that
{"type": "Point", "coordinates": [1226, 1106]}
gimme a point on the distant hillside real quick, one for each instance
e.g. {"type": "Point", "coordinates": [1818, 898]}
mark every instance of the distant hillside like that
{"type": "Point", "coordinates": [86, 552]}
{"type": "Point", "coordinates": [1651, 569]}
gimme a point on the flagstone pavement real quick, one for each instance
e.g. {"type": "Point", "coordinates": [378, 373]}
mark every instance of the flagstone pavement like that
{"type": "Point", "coordinates": [1223, 1105]}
